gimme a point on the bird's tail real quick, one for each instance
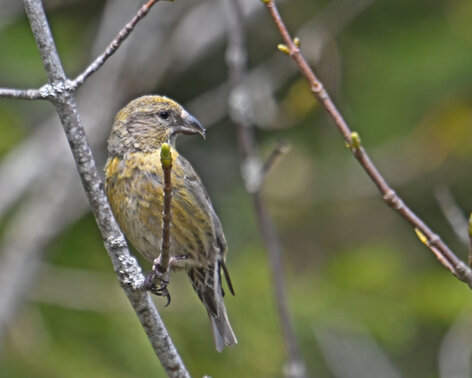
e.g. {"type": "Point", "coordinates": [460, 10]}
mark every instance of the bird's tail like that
{"type": "Point", "coordinates": [207, 284]}
{"type": "Point", "coordinates": [223, 334]}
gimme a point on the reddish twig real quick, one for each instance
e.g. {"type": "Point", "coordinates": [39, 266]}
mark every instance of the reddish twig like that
{"type": "Point", "coordinates": [433, 241]}
{"type": "Point", "coordinates": [166, 161]}
{"type": "Point", "coordinates": [162, 264]}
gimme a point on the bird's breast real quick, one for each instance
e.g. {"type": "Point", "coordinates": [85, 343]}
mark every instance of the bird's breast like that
{"type": "Point", "coordinates": [134, 186]}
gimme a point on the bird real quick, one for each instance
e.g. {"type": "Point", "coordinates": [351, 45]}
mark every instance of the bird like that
{"type": "Point", "coordinates": [134, 186]}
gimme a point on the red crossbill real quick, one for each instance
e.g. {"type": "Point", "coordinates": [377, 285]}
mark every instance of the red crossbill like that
{"type": "Point", "coordinates": [134, 185]}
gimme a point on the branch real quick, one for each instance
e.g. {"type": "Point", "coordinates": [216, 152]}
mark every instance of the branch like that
{"type": "Point", "coordinates": [282, 148]}
{"type": "Point", "coordinates": [431, 240]}
{"type": "Point", "coordinates": [166, 161]}
{"type": "Point", "coordinates": [47, 91]}
{"type": "Point", "coordinates": [124, 264]}
{"type": "Point", "coordinates": [162, 264]}
{"type": "Point", "coordinates": [255, 172]}
{"type": "Point", "coordinates": [114, 45]}
{"type": "Point", "coordinates": [23, 94]}
{"type": "Point", "coordinates": [239, 107]}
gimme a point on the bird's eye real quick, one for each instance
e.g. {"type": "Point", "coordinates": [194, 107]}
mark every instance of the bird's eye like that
{"type": "Point", "coordinates": [164, 114]}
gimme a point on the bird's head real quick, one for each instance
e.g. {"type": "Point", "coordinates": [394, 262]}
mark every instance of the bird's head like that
{"type": "Point", "coordinates": [147, 122]}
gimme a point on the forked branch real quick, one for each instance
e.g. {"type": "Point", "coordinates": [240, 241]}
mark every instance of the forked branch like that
{"type": "Point", "coordinates": [126, 267]}
{"type": "Point", "coordinates": [49, 91]}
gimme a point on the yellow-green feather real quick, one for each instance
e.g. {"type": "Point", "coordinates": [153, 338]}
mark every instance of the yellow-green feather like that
{"type": "Point", "coordinates": [191, 231]}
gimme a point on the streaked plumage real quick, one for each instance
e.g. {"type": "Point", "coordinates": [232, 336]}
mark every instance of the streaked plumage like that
{"type": "Point", "coordinates": [134, 185]}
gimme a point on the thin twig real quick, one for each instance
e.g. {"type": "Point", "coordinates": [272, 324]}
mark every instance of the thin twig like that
{"type": "Point", "coordinates": [162, 264]}
{"type": "Point", "coordinates": [239, 104]}
{"type": "Point", "coordinates": [166, 161]}
{"type": "Point", "coordinates": [23, 94]}
{"type": "Point", "coordinates": [255, 172]}
{"type": "Point", "coordinates": [282, 148]}
{"type": "Point", "coordinates": [436, 245]}
{"type": "Point", "coordinates": [124, 264]}
{"type": "Point", "coordinates": [113, 46]}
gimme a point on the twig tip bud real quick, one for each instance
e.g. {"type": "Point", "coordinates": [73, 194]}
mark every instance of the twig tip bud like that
{"type": "Point", "coordinates": [166, 155]}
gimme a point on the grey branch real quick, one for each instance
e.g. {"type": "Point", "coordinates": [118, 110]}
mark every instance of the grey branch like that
{"type": "Point", "coordinates": [23, 94]}
{"type": "Point", "coordinates": [124, 264]}
{"type": "Point", "coordinates": [239, 107]}
{"type": "Point", "coordinates": [48, 91]}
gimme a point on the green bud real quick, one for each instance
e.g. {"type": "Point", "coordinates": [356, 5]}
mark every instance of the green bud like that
{"type": "Point", "coordinates": [355, 140]}
{"type": "Point", "coordinates": [422, 237]}
{"type": "Point", "coordinates": [166, 156]}
{"type": "Point", "coordinates": [283, 48]}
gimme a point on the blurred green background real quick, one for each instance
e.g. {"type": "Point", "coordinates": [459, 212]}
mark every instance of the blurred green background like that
{"type": "Point", "coordinates": [361, 287]}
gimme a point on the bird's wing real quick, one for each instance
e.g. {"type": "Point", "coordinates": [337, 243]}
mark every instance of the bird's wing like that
{"type": "Point", "coordinates": [195, 185]}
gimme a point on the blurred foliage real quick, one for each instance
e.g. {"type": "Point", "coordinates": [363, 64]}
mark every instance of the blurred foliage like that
{"type": "Point", "coordinates": [352, 265]}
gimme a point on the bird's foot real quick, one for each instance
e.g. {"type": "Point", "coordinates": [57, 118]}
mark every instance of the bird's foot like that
{"type": "Point", "coordinates": [158, 279]}
{"type": "Point", "coordinates": [157, 283]}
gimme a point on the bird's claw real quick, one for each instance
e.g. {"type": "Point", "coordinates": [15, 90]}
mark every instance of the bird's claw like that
{"type": "Point", "coordinates": [161, 288]}
{"type": "Point", "coordinates": [157, 275]}
{"type": "Point", "coordinates": [161, 291]}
